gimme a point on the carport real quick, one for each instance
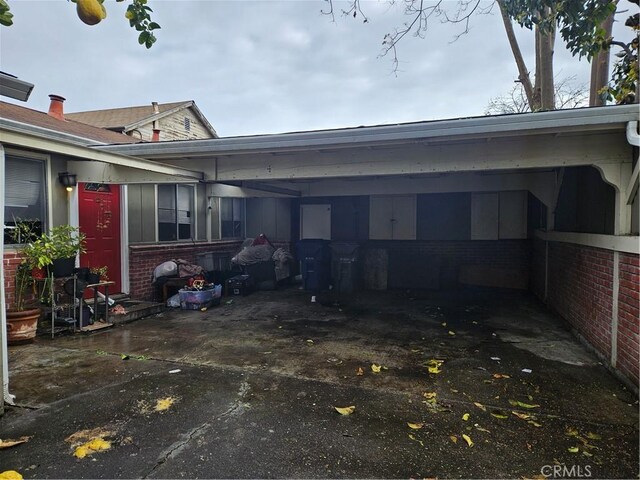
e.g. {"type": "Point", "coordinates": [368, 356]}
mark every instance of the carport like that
{"type": "Point", "coordinates": [539, 201]}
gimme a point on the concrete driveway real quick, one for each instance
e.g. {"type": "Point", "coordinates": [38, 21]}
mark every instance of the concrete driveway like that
{"type": "Point", "coordinates": [259, 378]}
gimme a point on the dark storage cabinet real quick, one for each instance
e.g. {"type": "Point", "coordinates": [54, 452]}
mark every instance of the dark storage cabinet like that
{"type": "Point", "coordinates": [315, 259]}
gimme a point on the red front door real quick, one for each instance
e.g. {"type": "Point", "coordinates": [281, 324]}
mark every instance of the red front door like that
{"type": "Point", "coordinates": [99, 212]}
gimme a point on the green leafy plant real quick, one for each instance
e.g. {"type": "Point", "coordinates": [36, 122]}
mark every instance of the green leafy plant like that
{"type": "Point", "coordinates": [34, 255]}
{"type": "Point", "coordinates": [64, 241]}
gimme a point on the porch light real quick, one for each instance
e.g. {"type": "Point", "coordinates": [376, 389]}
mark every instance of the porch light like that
{"type": "Point", "coordinates": [68, 180]}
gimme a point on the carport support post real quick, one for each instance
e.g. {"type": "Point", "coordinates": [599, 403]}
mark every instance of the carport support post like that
{"type": "Point", "coordinates": [4, 351]}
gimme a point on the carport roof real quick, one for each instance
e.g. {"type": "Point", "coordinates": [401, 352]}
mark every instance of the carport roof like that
{"type": "Point", "coordinates": [559, 121]}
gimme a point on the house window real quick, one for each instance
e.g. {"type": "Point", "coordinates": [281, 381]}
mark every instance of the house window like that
{"type": "Point", "coordinates": [187, 124]}
{"type": "Point", "coordinates": [231, 218]}
{"type": "Point", "coordinates": [25, 195]}
{"type": "Point", "coordinates": [175, 207]}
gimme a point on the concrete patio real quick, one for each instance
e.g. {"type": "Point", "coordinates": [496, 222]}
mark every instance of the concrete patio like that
{"type": "Point", "coordinates": [259, 377]}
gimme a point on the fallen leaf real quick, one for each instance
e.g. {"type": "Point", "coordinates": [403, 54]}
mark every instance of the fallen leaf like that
{"type": "Point", "coordinates": [453, 390]}
{"type": "Point", "coordinates": [415, 426]}
{"type": "Point", "coordinates": [92, 446]}
{"type": "Point", "coordinates": [453, 334]}
{"type": "Point", "coordinates": [534, 423]}
{"type": "Point", "coordinates": [359, 372]}
{"type": "Point", "coordinates": [587, 454]}
{"type": "Point", "coordinates": [573, 449]}
{"type": "Point", "coordinates": [500, 375]}
{"type": "Point", "coordinates": [571, 432]}
{"type": "Point", "coordinates": [499, 414]}
{"type": "Point", "coordinates": [412, 437]}
{"type": "Point", "coordinates": [480, 406]}
{"type": "Point", "coordinates": [429, 395]}
{"type": "Point", "coordinates": [465, 417]}
{"type": "Point", "coordinates": [345, 410]}
{"type": "Point", "coordinates": [164, 404]}
{"type": "Point", "coordinates": [434, 369]}
{"type": "Point", "coordinates": [593, 436]}
{"type": "Point", "coordinates": [310, 342]}
{"type": "Point", "coordinates": [83, 436]}
{"type": "Point", "coordinates": [479, 428]}
{"type": "Point", "coordinates": [518, 403]}
{"type": "Point", "coordinates": [375, 368]}
{"type": "Point", "coordinates": [523, 416]}
{"type": "Point", "coordinates": [444, 324]}
{"type": "Point", "coordinates": [467, 439]}
{"type": "Point", "coordinates": [10, 443]}
{"type": "Point", "coordinates": [10, 475]}
{"type": "Point", "coordinates": [453, 438]}
{"type": "Point", "coordinates": [101, 352]}
{"type": "Point", "coordinates": [124, 356]}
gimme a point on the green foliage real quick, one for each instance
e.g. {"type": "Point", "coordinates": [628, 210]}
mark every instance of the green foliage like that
{"type": "Point", "coordinates": [5, 15]}
{"type": "Point", "coordinates": [64, 241]}
{"type": "Point", "coordinates": [138, 14]}
{"type": "Point", "coordinates": [578, 21]}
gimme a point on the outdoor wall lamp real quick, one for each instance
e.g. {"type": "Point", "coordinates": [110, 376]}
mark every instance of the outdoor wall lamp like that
{"type": "Point", "coordinates": [68, 180]}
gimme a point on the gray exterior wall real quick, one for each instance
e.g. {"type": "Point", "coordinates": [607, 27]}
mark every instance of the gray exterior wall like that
{"type": "Point", "coordinates": [142, 204]}
{"type": "Point", "coordinates": [271, 216]}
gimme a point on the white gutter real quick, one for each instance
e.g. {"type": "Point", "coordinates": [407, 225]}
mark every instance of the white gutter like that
{"type": "Point", "coordinates": [4, 349]}
{"type": "Point", "coordinates": [559, 121]}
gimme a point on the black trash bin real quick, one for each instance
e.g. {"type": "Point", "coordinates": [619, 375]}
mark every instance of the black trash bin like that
{"type": "Point", "coordinates": [344, 266]}
{"type": "Point", "coordinates": [315, 257]}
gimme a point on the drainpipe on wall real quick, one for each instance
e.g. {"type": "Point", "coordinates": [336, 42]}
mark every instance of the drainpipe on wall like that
{"type": "Point", "coordinates": [4, 350]}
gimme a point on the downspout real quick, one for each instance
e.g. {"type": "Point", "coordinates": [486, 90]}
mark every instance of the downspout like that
{"type": "Point", "coordinates": [4, 350]}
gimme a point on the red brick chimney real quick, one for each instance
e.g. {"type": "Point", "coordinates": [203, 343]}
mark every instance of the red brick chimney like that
{"type": "Point", "coordinates": [156, 135]}
{"type": "Point", "coordinates": [56, 109]}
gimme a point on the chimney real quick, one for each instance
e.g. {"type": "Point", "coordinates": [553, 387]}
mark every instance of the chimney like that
{"type": "Point", "coordinates": [56, 109]}
{"type": "Point", "coordinates": [156, 135]}
{"type": "Point", "coordinates": [155, 107]}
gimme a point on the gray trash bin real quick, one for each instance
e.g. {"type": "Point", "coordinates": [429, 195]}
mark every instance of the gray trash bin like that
{"type": "Point", "coordinates": [345, 266]}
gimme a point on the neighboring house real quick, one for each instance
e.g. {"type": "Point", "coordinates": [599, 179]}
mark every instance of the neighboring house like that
{"type": "Point", "coordinates": [155, 122]}
{"type": "Point", "coordinates": [543, 201]}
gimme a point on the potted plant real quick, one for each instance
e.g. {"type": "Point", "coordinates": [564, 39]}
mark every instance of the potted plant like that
{"type": "Point", "coordinates": [23, 316]}
{"type": "Point", "coordinates": [64, 243]}
{"type": "Point", "coordinates": [97, 274]}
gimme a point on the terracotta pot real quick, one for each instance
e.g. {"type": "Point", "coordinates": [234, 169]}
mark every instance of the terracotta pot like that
{"type": "Point", "coordinates": [22, 325]}
{"type": "Point", "coordinates": [38, 273]}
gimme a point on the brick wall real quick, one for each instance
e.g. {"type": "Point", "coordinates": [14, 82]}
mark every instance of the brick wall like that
{"type": "Point", "coordinates": [143, 259]}
{"type": "Point", "coordinates": [629, 316]}
{"type": "Point", "coordinates": [10, 261]}
{"type": "Point", "coordinates": [580, 289]}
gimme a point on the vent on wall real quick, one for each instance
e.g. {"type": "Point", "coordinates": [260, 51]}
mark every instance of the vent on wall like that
{"type": "Point", "coordinates": [187, 124]}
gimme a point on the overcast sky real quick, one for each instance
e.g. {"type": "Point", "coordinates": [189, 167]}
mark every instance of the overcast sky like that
{"type": "Point", "coordinates": [256, 67]}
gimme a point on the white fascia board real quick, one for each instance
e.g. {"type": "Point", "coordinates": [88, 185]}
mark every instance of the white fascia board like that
{"type": "Point", "coordinates": [616, 243]}
{"type": "Point", "coordinates": [74, 149]}
{"type": "Point", "coordinates": [577, 120]}
{"type": "Point", "coordinates": [157, 116]}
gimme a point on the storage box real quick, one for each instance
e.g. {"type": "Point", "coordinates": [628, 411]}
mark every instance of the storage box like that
{"type": "Point", "coordinates": [198, 299]}
{"type": "Point", "coordinates": [240, 285]}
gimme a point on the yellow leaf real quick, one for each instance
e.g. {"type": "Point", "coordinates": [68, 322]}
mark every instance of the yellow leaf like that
{"type": "Point", "coordinates": [429, 395]}
{"type": "Point", "coordinates": [310, 342]}
{"type": "Point", "coordinates": [518, 403]}
{"type": "Point", "coordinates": [573, 449]}
{"type": "Point", "coordinates": [587, 454]}
{"type": "Point", "coordinates": [465, 417]}
{"type": "Point", "coordinates": [500, 375]}
{"type": "Point", "coordinates": [346, 410]}
{"type": "Point", "coordinates": [415, 426]}
{"type": "Point", "coordinates": [452, 333]}
{"type": "Point", "coordinates": [92, 446]}
{"type": "Point", "coordinates": [164, 404]}
{"type": "Point", "coordinates": [535, 424]}
{"type": "Point", "coordinates": [10, 475]}
{"type": "Point", "coordinates": [571, 432]}
{"type": "Point", "coordinates": [375, 368]}
{"type": "Point", "coordinates": [434, 362]}
{"type": "Point", "coordinates": [434, 369]}
{"type": "Point", "coordinates": [412, 437]}
{"type": "Point", "coordinates": [593, 436]}
{"type": "Point", "coordinates": [453, 438]}
{"type": "Point", "coordinates": [479, 428]}
{"type": "Point", "coordinates": [467, 439]}
{"type": "Point", "coordinates": [11, 443]}
{"type": "Point", "coordinates": [523, 416]}
{"type": "Point", "coordinates": [499, 414]}
{"type": "Point", "coordinates": [359, 372]}
{"type": "Point", "coordinates": [480, 406]}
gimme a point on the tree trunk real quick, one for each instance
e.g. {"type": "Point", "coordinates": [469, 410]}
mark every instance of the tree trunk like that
{"type": "Point", "coordinates": [536, 104]}
{"type": "Point", "coordinates": [547, 90]}
{"type": "Point", "coordinates": [600, 67]}
{"type": "Point", "coordinates": [523, 72]}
